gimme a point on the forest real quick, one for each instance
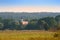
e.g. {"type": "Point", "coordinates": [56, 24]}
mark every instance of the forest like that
{"type": "Point", "coordinates": [44, 23]}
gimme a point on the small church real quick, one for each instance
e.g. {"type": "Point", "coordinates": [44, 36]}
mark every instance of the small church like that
{"type": "Point", "coordinates": [24, 22]}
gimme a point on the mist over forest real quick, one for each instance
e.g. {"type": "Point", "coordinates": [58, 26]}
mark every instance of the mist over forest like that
{"type": "Point", "coordinates": [25, 15]}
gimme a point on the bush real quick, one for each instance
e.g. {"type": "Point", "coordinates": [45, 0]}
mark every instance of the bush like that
{"type": "Point", "coordinates": [56, 35]}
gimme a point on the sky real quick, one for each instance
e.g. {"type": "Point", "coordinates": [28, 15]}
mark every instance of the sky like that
{"type": "Point", "coordinates": [29, 5]}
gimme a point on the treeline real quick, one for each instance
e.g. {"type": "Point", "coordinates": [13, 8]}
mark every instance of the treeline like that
{"type": "Point", "coordinates": [46, 23]}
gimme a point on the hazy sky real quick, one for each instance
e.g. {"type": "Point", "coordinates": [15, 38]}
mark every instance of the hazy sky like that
{"type": "Point", "coordinates": [30, 5]}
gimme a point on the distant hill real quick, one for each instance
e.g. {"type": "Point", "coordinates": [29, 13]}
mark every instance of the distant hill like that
{"type": "Point", "coordinates": [26, 15]}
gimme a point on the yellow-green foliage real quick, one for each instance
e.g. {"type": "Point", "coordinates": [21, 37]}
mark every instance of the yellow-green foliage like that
{"type": "Point", "coordinates": [28, 35]}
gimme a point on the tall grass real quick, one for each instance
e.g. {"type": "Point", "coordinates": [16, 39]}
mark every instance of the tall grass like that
{"type": "Point", "coordinates": [28, 35]}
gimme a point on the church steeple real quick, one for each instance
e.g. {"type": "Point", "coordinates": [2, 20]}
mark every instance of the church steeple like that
{"type": "Point", "coordinates": [21, 19]}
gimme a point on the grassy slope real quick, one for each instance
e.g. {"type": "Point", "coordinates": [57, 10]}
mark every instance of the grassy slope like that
{"type": "Point", "coordinates": [27, 35]}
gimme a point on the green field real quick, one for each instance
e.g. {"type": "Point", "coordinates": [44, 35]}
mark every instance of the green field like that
{"type": "Point", "coordinates": [28, 35]}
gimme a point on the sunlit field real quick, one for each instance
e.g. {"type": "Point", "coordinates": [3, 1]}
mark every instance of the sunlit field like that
{"type": "Point", "coordinates": [29, 35]}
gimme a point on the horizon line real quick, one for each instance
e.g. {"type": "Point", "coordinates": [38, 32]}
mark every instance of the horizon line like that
{"type": "Point", "coordinates": [29, 9]}
{"type": "Point", "coordinates": [28, 12]}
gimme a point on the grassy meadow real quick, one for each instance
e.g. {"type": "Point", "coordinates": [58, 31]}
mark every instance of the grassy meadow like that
{"type": "Point", "coordinates": [29, 35]}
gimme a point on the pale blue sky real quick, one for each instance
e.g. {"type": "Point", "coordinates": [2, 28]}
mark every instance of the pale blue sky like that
{"type": "Point", "coordinates": [4, 3]}
{"type": "Point", "coordinates": [30, 5]}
